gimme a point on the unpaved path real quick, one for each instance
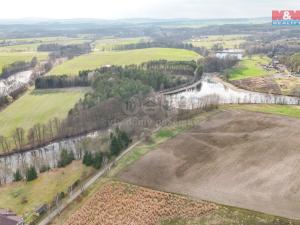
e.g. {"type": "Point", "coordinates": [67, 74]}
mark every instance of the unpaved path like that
{"type": "Point", "coordinates": [244, 159]}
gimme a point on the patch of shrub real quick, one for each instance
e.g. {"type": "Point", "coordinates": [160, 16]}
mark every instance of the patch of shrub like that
{"type": "Point", "coordinates": [44, 169]}
{"type": "Point", "coordinates": [18, 176]}
{"type": "Point", "coordinates": [31, 174]}
{"type": "Point", "coordinates": [65, 158]}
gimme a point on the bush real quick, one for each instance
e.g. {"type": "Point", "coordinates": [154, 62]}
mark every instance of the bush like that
{"type": "Point", "coordinates": [93, 160]}
{"type": "Point", "coordinates": [87, 159]}
{"type": "Point", "coordinates": [119, 141]}
{"type": "Point", "coordinates": [31, 174]}
{"type": "Point", "coordinates": [98, 159]}
{"type": "Point", "coordinates": [44, 169]}
{"type": "Point", "coordinates": [18, 176]}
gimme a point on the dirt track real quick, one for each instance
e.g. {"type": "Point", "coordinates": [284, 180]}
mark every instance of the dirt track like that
{"type": "Point", "coordinates": [243, 159]}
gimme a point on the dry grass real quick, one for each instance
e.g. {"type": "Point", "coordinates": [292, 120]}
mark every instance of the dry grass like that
{"type": "Point", "coordinates": [120, 203]}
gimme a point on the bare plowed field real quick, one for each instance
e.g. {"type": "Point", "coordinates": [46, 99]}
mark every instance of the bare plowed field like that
{"type": "Point", "coordinates": [244, 159]}
{"type": "Point", "coordinates": [123, 204]}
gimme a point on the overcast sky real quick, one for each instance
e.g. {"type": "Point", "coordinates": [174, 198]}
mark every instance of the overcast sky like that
{"type": "Point", "coordinates": [115, 9]}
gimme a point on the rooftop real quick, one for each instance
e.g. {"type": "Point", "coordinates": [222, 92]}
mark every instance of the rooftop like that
{"type": "Point", "coordinates": [9, 218]}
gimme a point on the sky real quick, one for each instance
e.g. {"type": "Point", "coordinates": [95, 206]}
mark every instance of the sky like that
{"type": "Point", "coordinates": [163, 9]}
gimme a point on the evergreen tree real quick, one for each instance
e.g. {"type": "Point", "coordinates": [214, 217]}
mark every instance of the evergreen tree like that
{"type": "Point", "coordinates": [87, 159]}
{"type": "Point", "coordinates": [98, 159]}
{"type": "Point", "coordinates": [17, 176]}
{"type": "Point", "coordinates": [115, 146]}
{"type": "Point", "coordinates": [31, 174]}
{"type": "Point", "coordinates": [65, 158]}
{"type": "Point", "coordinates": [124, 139]}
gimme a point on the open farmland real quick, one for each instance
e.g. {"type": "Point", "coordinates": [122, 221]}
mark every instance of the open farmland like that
{"type": "Point", "coordinates": [250, 67]}
{"type": "Point", "coordinates": [98, 59]}
{"type": "Point", "coordinates": [119, 203]}
{"type": "Point", "coordinates": [227, 41]}
{"type": "Point", "coordinates": [109, 43]}
{"type": "Point", "coordinates": [42, 190]}
{"type": "Point", "coordinates": [30, 45]}
{"type": "Point", "coordinates": [10, 57]}
{"type": "Point", "coordinates": [38, 106]}
{"type": "Point", "coordinates": [237, 158]}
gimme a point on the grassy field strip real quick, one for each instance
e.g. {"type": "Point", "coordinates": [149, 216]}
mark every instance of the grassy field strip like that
{"type": "Point", "coordinates": [109, 43]}
{"type": "Point", "coordinates": [23, 197]}
{"type": "Point", "coordinates": [38, 106]}
{"type": "Point", "coordinates": [284, 110]}
{"type": "Point", "coordinates": [10, 57]}
{"type": "Point", "coordinates": [98, 59]}
{"type": "Point", "coordinates": [250, 67]}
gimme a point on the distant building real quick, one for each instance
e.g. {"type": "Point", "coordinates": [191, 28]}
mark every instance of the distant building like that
{"type": "Point", "coordinates": [237, 53]}
{"type": "Point", "coordinates": [9, 218]}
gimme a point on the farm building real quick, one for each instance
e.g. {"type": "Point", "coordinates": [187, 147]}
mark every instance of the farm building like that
{"type": "Point", "coordinates": [9, 218]}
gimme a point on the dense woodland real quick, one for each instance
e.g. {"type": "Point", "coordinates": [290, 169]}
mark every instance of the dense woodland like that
{"type": "Point", "coordinates": [99, 109]}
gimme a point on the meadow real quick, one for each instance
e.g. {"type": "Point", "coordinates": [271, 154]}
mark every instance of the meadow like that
{"type": "Point", "coordinates": [250, 67]}
{"type": "Point", "coordinates": [24, 197]}
{"type": "Point", "coordinates": [283, 110]}
{"type": "Point", "coordinates": [227, 41]}
{"type": "Point", "coordinates": [38, 106]}
{"type": "Point", "coordinates": [98, 59]}
{"type": "Point", "coordinates": [10, 57]}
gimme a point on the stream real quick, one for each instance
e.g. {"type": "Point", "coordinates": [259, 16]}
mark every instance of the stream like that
{"type": "Point", "coordinates": [219, 92]}
{"type": "Point", "coordinates": [13, 82]}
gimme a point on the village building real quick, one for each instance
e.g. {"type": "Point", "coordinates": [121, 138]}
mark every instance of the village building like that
{"type": "Point", "coordinates": [9, 218]}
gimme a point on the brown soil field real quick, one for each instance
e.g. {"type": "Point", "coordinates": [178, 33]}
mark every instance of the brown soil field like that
{"type": "Point", "coordinates": [274, 84]}
{"type": "Point", "coordinates": [118, 203]}
{"type": "Point", "coordinates": [259, 84]}
{"type": "Point", "coordinates": [244, 159]}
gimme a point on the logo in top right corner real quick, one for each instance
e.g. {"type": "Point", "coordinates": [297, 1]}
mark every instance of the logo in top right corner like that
{"type": "Point", "coordinates": [286, 17]}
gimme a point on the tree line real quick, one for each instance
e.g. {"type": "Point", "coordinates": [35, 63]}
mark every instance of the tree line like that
{"type": "Point", "coordinates": [65, 51]}
{"type": "Point", "coordinates": [162, 43]}
{"type": "Point", "coordinates": [292, 62]}
{"type": "Point", "coordinates": [215, 64]}
{"type": "Point", "coordinates": [62, 81]}
{"type": "Point", "coordinates": [171, 67]}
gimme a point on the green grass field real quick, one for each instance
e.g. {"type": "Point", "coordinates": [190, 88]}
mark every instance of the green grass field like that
{"type": "Point", "coordinates": [250, 67]}
{"type": "Point", "coordinates": [108, 43]}
{"type": "Point", "coordinates": [29, 48]}
{"type": "Point", "coordinates": [227, 41]}
{"type": "Point", "coordinates": [38, 106]}
{"type": "Point", "coordinates": [30, 45]}
{"type": "Point", "coordinates": [41, 190]}
{"type": "Point", "coordinates": [284, 110]}
{"type": "Point", "coordinates": [8, 58]}
{"type": "Point", "coordinates": [98, 59]}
